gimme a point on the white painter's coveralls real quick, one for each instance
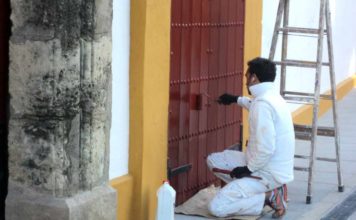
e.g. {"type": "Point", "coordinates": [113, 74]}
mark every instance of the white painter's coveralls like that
{"type": "Point", "coordinates": [269, 155]}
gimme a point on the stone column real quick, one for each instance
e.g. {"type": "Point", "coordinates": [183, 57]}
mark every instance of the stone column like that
{"type": "Point", "coordinates": [60, 110]}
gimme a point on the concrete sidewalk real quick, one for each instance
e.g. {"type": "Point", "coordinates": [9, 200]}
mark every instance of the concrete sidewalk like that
{"type": "Point", "coordinates": [325, 184]}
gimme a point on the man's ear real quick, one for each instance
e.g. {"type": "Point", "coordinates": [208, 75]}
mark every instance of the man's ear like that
{"type": "Point", "coordinates": [253, 78]}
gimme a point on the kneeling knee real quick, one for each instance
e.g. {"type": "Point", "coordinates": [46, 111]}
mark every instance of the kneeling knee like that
{"type": "Point", "coordinates": [216, 209]}
{"type": "Point", "coordinates": [209, 162]}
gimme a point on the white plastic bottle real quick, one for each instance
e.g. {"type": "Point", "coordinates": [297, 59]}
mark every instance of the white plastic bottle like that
{"type": "Point", "coordinates": [166, 199]}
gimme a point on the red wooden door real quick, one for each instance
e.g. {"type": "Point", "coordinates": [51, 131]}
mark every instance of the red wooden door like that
{"type": "Point", "coordinates": [4, 66]}
{"type": "Point", "coordinates": [207, 39]}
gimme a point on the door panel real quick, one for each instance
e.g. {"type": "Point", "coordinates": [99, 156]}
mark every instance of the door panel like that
{"type": "Point", "coordinates": [230, 68]}
{"type": "Point", "coordinates": [206, 61]}
{"type": "Point", "coordinates": [203, 84]}
{"type": "Point", "coordinates": [222, 30]}
{"type": "Point", "coordinates": [184, 94]}
{"type": "Point", "coordinates": [194, 92]}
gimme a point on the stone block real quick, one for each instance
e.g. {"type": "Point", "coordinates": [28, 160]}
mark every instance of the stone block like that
{"type": "Point", "coordinates": [99, 203]}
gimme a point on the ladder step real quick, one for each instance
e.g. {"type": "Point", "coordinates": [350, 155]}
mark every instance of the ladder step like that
{"type": "Point", "coordinates": [307, 129]}
{"type": "Point", "coordinates": [300, 30]}
{"type": "Point", "coordinates": [302, 136]}
{"type": "Point", "coordinates": [306, 169]}
{"type": "Point", "coordinates": [310, 95]}
{"type": "Point", "coordinates": [318, 158]}
{"type": "Point", "coordinates": [326, 159]}
{"type": "Point", "coordinates": [299, 99]}
{"type": "Point", "coordinates": [301, 156]}
{"type": "Point", "coordinates": [299, 63]}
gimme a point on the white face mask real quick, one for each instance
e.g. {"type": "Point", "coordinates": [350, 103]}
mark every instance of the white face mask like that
{"type": "Point", "coordinates": [249, 84]}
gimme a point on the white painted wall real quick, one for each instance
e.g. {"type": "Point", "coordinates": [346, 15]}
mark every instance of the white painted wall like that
{"type": "Point", "coordinates": [305, 13]}
{"type": "Point", "coordinates": [119, 135]}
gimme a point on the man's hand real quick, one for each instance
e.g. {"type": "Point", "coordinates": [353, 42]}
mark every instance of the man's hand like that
{"type": "Point", "coordinates": [227, 99]}
{"type": "Point", "coordinates": [239, 172]}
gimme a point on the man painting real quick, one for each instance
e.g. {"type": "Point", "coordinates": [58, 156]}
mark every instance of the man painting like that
{"type": "Point", "coordinates": [259, 175]}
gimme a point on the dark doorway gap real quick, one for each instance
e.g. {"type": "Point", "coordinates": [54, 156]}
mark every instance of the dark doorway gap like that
{"type": "Point", "coordinates": [5, 30]}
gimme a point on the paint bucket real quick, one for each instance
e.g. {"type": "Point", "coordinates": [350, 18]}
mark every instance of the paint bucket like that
{"type": "Point", "coordinates": [166, 196]}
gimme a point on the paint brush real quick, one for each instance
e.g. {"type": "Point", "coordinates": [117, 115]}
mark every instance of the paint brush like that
{"type": "Point", "coordinates": [210, 98]}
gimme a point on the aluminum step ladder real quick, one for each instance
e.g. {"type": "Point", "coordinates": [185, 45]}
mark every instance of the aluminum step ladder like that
{"type": "Point", "coordinates": [309, 132]}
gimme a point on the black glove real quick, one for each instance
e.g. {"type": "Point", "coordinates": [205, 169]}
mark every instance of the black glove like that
{"type": "Point", "coordinates": [239, 172]}
{"type": "Point", "coordinates": [227, 99]}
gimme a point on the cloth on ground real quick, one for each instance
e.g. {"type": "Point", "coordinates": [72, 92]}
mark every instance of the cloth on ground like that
{"type": "Point", "coordinates": [198, 205]}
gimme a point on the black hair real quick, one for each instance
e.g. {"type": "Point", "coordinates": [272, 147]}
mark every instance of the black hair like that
{"type": "Point", "coordinates": [264, 69]}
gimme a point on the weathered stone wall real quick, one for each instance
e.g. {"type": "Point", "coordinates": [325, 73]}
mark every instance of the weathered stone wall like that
{"type": "Point", "coordinates": [60, 88]}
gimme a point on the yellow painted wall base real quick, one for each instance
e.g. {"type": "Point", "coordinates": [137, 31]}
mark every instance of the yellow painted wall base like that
{"type": "Point", "coordinates": [149, 99]}
{"type": "Point", "coordinates": [124, 187]}
{"type": "Point", "coordinates": [304, 114]}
